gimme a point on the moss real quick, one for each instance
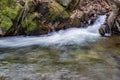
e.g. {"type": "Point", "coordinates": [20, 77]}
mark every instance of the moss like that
{"type": "Point", "coordinates": [101, 31]}
{"type": "Point", "coordinates": [75, 22]}
{"type": "Point", "coordinates": [64, 63]}
{"type": "Point", "coordinates": [8, 12]}
{"type": "Point", "coordinates": [4, 78]}
{"type": "Point", "coordinates": [29, 23]}
{"type": "Point", "coordinates": [87, 56]}
{"type": "Point", "coordinates": [56, 10]}
{"type": "Point", "coordinates": [6, 22]}
{"type": "Point", "coordinates": [90, 56]}
{"type": "Point", "coordinates": [10, 59]}
{"type": "Point", "coordinates": [32, 26]}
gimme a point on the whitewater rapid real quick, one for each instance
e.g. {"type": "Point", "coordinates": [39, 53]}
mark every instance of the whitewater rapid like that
{"type": "Point", "coordinates": [69, 36]}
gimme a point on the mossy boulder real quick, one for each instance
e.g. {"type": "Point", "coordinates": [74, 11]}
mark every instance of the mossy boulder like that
{"type": "Point", "coordinates": [113, 20]}
{"type": "Point", "coordinates": [64, 2]}
{"type": "Point", "coordinates": [42, 16]}
{"type": "Point", "coordinates": [101, 31]}
{"type": "Point", "coordinates": [57, 11]}
{"type": "Point", "coordinates": [8, 12]}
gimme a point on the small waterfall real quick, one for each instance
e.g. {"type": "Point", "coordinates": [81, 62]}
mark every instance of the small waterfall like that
{"type": "Point", "coordinates": [70, 36]}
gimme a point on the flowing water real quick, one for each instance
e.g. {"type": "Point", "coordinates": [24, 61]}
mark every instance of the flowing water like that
{"type": "Point", "coordinates": [72, 54]}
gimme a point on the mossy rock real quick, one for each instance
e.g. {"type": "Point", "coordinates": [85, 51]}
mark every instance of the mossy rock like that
{"type": "Point", "coordinates": [75, 22]}
{"type": "Point", "coordinates": [101, 31]}
{"type": "Point", "coordinates": [56, 10]}
{"type": "Point", "coordinates": [64, 2]}
{"type": "Point", "coordinates": [8, 13]}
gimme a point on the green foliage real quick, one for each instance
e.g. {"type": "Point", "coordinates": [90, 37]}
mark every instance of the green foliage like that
{"type": "Point", "coordinates": [6, 23]}
{"type": "Point", "coordinates": [8, 12]}
{"type": "Point", "coordinates": [11, 13]}
{"type": "Point", "coordinates": [29, 23]}
{"type": "Point", "coordinates": [32, 26]}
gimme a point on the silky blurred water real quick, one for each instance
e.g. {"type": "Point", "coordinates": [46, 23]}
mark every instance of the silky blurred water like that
{"type": "Point", "coordinates": [72, 54]}
{"type": "Point", "coordinates": [72, 36]}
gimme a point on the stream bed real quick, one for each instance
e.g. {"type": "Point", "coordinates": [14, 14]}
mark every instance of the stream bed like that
{"type": "Point", "coordinates": [97, 61]}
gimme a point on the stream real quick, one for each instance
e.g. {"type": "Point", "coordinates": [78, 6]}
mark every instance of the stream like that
{"type": "Point", "coordinates": [71, 54]}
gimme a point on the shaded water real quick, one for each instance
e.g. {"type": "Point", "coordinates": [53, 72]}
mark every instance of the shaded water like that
{"type": "Point", "coordinates": [73, 54]}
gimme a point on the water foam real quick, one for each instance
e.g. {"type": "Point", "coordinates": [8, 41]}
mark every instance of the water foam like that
{"type": "Point", "coordinates": [63, 37]}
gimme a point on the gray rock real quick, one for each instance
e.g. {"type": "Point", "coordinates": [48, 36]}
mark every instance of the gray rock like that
{"type": "Point", "coordinates": [64, 2]}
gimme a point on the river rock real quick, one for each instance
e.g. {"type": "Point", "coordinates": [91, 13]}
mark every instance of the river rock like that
{"type": "Point", "coordinates": [113, 19]}
{"type": "Point", "coordinates": [64, 2]}
{"type": "Point", "coordinates": [43, 16]}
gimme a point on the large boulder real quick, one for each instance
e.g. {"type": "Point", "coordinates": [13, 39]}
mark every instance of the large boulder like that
{"type": "Point", "coordinates": [44, 16]}
{"type": "Point", "coordinates": [61, 14]}
{"type": "Point", "coordinates": [113, 19]}
{"type": "Point", "coordinates": [64, 2]}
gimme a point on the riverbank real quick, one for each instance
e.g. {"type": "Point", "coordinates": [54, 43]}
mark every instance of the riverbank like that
{"type": "Point", "coordinates": [63, 37]}
{"type": "Point", "coordinates": [39, 17]}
